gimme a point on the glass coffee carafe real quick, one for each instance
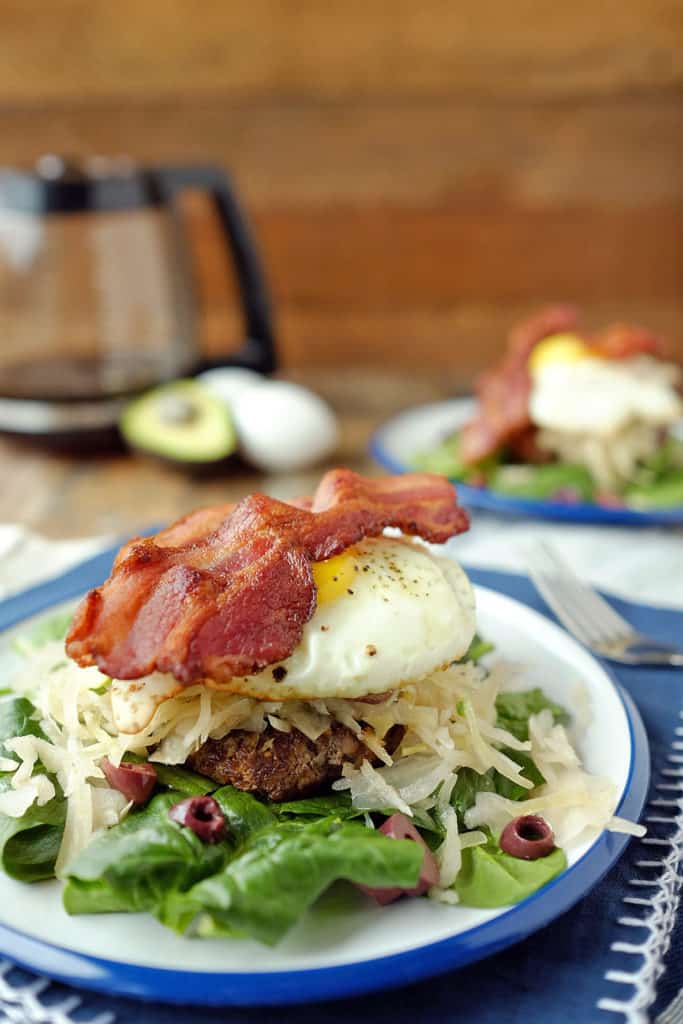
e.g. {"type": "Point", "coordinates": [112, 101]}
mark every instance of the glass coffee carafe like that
{"type": "Point", "coordinates": [98, 290]}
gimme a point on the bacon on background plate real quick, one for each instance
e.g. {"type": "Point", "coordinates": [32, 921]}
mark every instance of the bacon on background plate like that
{"type": "Point", "coordinates": [227, 591]}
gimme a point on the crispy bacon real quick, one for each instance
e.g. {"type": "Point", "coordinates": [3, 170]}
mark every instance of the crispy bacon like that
{"type": "Point", "coordinates": [621, 341]}
{"type": "Point", "coordinates": [503, 392]}
{"type": "Point", "coordinates": [502, 417]}
{"type": "Point", "coordinates": [227, 590]}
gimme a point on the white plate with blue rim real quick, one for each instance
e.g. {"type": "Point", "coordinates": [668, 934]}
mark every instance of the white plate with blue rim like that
{"type": "Point", "coordinates": [397, 442]}
{"type": "Point", "coordinates": [336, 950]}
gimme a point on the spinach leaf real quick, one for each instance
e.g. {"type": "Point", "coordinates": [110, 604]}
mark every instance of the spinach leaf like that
{"type": "Point", "coordinates": [257, 882]}
{"type": "Point", "coordinates": [55, 627]}
{"type": "Point", "coordinates": [468, 784]}
{"type": "Point", "coordinates": [665, 492]}
{"type": "Point", "coordinates": [491, 878]}
{"type": "Point", "coordinates": [133, 865]}
{"type": "Point", "coordinates": [477, 649]}
{"type": "Point", "coordinates": [29, 845]}
{"type": "Point", "coordinates": [338, 804]}
{"type": "Point", "coordinates": [515, 709]}
{"type": "Point", "coordinates": [511, 790]}
{"type": "Point", "coordinates": [281, 870]}
{"type": "Point", "coordinates": [182, 780]}
{"type": "Point", "coordinates": [540, 482]}
{"type": "Point", "coordinates": [660, 465]}
{"type": "Point", "coordinates": [244, 814]}
{"type": "Point", "coordinates": [445, 458]}
{"type": "Point", "coordinates": [16, 719]}
{"type": "Point", "coordinates": [471, 782]}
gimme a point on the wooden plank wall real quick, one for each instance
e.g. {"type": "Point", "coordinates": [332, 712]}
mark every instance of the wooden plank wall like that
{"type": "Point", "coordinates": [419, 173]}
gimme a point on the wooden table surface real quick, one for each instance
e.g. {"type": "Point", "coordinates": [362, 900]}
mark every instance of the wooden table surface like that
{"type": "Point", "coordinates": [63, 496]}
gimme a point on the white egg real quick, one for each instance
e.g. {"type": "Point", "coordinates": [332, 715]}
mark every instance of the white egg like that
{"type": "Point", "coordinates": [228, 382]}
{"type": "Point", "coordinates": [283, 426]}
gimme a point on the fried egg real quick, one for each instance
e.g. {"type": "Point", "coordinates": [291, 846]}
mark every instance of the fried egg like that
{"type": "Point", "coordinates": [389, 612]}
{"type": "Point", "coordinates": [577, 392]}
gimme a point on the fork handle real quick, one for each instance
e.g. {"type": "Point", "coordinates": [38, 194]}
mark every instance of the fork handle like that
{"type": "Point", "coordinates": [652, 652]}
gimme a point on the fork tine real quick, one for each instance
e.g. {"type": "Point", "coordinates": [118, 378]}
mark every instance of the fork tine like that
{"type": "Point", "coordinates": [576, 606]}
{"type": "Point", "coordinates": [568, 598]}
{"type": "Point", "coordinates": [567, 595]}
{"type": "Point", "coordinates": [546, 587]}
{"type": "Point", "coordinates": [601, 616]}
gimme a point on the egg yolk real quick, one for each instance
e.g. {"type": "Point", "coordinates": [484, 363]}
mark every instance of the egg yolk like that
{"type": "Point", "coordinates": [334, 576]}
{"type": "Point", "coordinates": [558, 348]}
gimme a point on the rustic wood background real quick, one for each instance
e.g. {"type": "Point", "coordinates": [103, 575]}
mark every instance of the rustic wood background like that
{"type": "Point", "coordinates": [418, 173]}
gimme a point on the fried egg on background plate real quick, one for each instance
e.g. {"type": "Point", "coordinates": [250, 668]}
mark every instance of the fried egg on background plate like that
{"type": "Point", "coordinates": [389, 612]}
{"type": "Point", "coordinates": [576, 391]}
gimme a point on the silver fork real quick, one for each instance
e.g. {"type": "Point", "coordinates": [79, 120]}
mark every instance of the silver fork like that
{"type": "Point", "coordinates": [590, 618]}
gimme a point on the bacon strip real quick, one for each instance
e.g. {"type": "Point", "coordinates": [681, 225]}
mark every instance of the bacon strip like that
{"type": "Point", "coordinates": [503, 391]}
{"type": "Point", "coordinates": [502, 417]}
{"type": "Point", "coordinates": [227, 591]}
{"type": "Point", "coordinates": [621, 341]}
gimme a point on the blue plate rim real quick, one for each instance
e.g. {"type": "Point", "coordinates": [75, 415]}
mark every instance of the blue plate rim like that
{"type": "Point", "coordinates": [489, 501]}
{"type": "Point", "coordinates": [117, 978]}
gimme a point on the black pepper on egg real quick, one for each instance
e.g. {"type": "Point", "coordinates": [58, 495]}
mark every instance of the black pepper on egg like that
{"type": "Point", "coordinates": [279, 673]}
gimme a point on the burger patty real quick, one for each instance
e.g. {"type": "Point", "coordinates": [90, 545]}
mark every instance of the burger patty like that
{"type": "Point", "coordinates": [284, 765]}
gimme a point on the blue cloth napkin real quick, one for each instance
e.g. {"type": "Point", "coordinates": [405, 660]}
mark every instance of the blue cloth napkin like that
{"type": "Point", "coordinates": [560, 973]}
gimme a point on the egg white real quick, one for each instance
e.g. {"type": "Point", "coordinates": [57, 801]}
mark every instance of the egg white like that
{"type": "Point", "coordinates": [601, 397]}
{"type": "Point", "coordinates": [403, 613]}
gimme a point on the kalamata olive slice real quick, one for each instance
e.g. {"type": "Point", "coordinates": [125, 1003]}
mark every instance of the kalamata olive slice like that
{"type": "Point", "coordinates": [527, 837]}
{"type": "Point", "coordinates": [203, 815]}
{"type": "Point", "coordinates": [398, 826]}
{"type": "Point", "coordinates": [135, 781]}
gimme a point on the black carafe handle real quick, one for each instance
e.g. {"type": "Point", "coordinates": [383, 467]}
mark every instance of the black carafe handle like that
{"type": "Point", "coordinates": [258, 351]}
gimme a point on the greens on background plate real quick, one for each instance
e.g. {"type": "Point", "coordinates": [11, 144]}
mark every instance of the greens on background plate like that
{"type": "Point", "coordinates": [657, 481]}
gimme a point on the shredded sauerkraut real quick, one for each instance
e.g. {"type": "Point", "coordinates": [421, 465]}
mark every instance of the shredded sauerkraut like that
{"type": "Point", "coordinates": [449, 720]}
{"type": "Point", "coordinates": [612, 460]}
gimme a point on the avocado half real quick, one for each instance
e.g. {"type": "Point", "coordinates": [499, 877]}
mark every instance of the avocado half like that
{"type": "Point", "coordinates": [182, 422]}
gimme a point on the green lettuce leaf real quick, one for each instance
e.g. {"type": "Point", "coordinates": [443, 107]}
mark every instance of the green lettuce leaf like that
{"type": "Point", "coordinates": [279, 873]}
{"type": "Point", "coordinates": [182, 780]}
{"type": "Point", "coordinates": [491, 878]}
{"type": "Point", "coordinates": [256, 882]}
{"type": "Point", "coordinates": [512, 790]}
{"type": "Point", "coordinates": [17, 719]}
{"type": "Point", "coordinates": [515, 709]}
{"type": "Point", "coordinates": [664, 492]}
{"type": "Point", "coordinates": [468, 784]}
{"type": "Point", "coordinates": [319, 807]}
{"type": "Point", "coordinates": [133, 865]}
{"type": "Point", "coordinates": [477, 649]}
{"type": "Point", "coordinates": [540, 482]}
{"type": "Point", "coordinates": [28, 845]}
{"type": "Point", "coordinates": [471, 782]}
{"type": "Point", "coordinates": [445, 458]}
